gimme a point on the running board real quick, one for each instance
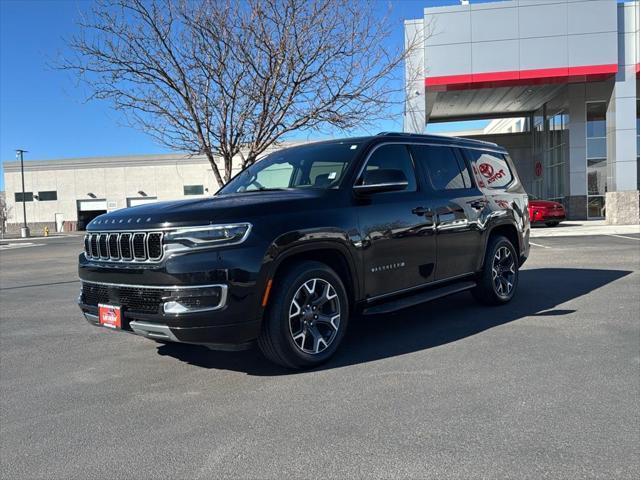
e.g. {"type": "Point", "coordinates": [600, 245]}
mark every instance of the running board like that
{"type": "Point", "coordinates": [418, 298]}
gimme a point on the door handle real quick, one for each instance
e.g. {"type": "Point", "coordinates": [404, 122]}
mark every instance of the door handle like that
{"type": "Point", "coordinates": [422, 212]}
{"type": "Point", "coordinates": [478, 204]}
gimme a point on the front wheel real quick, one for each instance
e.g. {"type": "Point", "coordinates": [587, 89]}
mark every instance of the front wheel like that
{"type": "Point", "coordinates": [307, 318]}
{"type": "Point", "coordinates": [499, 277]}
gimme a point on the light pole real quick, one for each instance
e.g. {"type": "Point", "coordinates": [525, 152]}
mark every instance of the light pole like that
{"type": "Point", "coordinates": [24, 231]}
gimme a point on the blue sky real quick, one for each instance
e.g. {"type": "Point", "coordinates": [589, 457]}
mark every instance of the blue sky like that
{"type": "Point", "coordinates": [43, 111]}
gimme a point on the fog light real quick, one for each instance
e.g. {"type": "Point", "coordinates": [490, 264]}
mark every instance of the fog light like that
{"type": "Point", "coordinates": [174, 307]}
{"type": "Point", "coordinates": [196, 300]}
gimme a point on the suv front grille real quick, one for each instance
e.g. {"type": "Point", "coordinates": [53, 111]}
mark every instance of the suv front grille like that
{"type": "Point", "coordinates": [134, 299]}
{"type": "Point", "coordinates": [124, 246]}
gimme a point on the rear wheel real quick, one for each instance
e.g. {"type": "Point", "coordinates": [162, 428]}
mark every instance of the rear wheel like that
{"type": "Point", "coordinates": [499, 277]}
{"type": "Point", "coordinates": [306, 320]}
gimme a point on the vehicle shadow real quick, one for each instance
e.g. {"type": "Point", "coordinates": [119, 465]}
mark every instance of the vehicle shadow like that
{"type": "Point", "coordinates": [426, 326]}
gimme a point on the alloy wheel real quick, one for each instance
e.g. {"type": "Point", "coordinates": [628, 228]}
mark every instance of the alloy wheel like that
{"type": "Point", "coordinates": [503, 271]}
{"type": "Point", "coordinates": [314, 316]}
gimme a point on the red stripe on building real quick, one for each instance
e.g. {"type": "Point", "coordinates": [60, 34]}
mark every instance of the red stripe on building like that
{"type": "Point", "coordinates": [521, 77]}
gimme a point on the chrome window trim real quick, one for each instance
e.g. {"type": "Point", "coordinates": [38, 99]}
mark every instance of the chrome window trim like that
{"type": "Point", "coordinates": [386, 184]}
{"type": "Point", "coordinates": [429, 143]}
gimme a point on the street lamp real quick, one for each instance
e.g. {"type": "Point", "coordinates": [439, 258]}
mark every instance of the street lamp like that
{"type": "Point", "coordinates": [24, 231]}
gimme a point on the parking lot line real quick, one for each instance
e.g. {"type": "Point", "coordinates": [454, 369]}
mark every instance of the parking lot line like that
{"type": "Point", "coordinates": [538, 245]}
{"type": "Point", "coordinates": [14, 246]}
{"type": "Point", "coordinates": [622, 236]}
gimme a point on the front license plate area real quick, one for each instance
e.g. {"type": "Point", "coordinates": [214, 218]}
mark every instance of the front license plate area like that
{"type": "Point", "coordinates": [110, 316]}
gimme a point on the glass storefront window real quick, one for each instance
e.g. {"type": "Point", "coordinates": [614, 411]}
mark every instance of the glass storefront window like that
{"type": "Point", "coordinates": [595, 207]}
{"type": "Point", "coordinates": [596, 119]}
{"type": "Point", "coordinates": [596, 158]}
{"type": "Point", "coordinates": [597, 184]}
{"type": "Point", "coordinates": [554, 157]}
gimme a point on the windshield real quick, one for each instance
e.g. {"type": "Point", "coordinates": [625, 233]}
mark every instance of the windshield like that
{"type": "Point", "coordinates": [320, 165]}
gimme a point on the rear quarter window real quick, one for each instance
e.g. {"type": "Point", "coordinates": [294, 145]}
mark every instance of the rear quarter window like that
{"type": "Point", "coordinates": [490, 169]}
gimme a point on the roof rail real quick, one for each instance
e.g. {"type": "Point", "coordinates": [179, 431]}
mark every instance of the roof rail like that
{"type": "Point", "coordinates": [433, 135]}
{"type": "Point", "coordinates": [388, 134]}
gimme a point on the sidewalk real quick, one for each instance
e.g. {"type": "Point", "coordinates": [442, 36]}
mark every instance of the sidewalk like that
{"type": "Point", "coordinates": [583, 228]}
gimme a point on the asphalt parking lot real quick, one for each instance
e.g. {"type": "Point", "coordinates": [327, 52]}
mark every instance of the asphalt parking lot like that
{"type": "Point", "coordinates": [546, 387]}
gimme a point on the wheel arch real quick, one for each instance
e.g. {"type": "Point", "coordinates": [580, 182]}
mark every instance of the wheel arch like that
{"type": "Point", "coordinates": [505, 229]}
{"type": "Point", "coordinates": [331, 253]}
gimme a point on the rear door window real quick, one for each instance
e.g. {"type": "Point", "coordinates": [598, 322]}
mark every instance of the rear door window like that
{"type": "Point", "coordinates": [490, 169]}
{"type": "Point", "coordinates": [442, 167]}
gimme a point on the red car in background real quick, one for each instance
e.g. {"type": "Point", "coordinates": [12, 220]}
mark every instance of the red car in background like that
{"type": "Point", "coordinates": [545, 211]}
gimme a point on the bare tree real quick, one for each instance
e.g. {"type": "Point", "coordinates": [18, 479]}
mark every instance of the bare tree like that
{"type": "Point", "coordinates": [229, 78]}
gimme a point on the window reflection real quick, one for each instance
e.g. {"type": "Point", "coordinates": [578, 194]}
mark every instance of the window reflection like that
{"type": "Point", "coordinates": [596, 158]}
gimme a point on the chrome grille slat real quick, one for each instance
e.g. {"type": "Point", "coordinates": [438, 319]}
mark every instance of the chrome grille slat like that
{"type": "Point", "coordinates": [154, 245]}
{"type": "Point", "coordinates": [139, 246]}
{"type": "Point", "coordinates": [87, 245]}
{"type": "Point", "coordinates": [123, 247]}
{"type": "Point", "coordinates": [114, 246]}
{"type": "Point", "coordinates": [95, 253]}
{"type": "Point", "coordinates": [103, 247]}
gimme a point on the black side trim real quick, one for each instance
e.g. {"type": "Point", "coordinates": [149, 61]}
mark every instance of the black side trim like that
{"type": "Point", "coordinates": [418, 298]}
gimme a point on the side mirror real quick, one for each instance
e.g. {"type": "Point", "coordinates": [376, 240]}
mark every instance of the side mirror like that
{"type": "Point", "coordinates": [381, 180]}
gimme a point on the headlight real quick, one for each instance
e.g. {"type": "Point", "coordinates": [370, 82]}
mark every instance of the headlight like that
{"type": "Point", "coordinates": [210, 235]}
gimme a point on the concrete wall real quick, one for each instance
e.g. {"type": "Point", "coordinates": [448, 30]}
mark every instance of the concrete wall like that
{"type": "Point", "coordinates": [520, 36]}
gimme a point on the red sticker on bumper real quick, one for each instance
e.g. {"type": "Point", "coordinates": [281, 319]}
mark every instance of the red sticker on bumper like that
{"type": "Point", "coordinates": [110, 316]}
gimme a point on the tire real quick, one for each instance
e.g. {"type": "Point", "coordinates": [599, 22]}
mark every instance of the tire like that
{"type": "Point", "coordinates": [290, 331]}
{"type": "Point", "coordinates": [498, 291]}
{"type": "Point", "coordinates": [551, 224]}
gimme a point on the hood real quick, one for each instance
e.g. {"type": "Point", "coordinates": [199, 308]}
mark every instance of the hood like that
{"type": "Point", "coordinates": [202, 211]}
{"type": "Point", "coordinates": [544, 204]}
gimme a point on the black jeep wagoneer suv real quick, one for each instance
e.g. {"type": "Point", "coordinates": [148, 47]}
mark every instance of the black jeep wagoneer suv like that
{"type": "Point", "coordinates": [295, 244]}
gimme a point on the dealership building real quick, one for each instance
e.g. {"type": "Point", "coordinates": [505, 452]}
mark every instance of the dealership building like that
{"type": "Point", "coordinates": [558, 79]}
{"type": "Point", "coordinates": [567, 69]}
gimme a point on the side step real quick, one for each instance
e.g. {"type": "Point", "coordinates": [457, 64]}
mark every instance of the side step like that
{"type": "Point", "coordinates": [418, 298]}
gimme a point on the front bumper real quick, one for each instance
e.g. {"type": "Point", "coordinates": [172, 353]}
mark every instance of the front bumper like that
{"type": "Point", "coordinates": [541, 216]}
{"type": "Point", "coordinates": [219, 337]}
{"type": "Point", "coordinates": [234, 323]}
